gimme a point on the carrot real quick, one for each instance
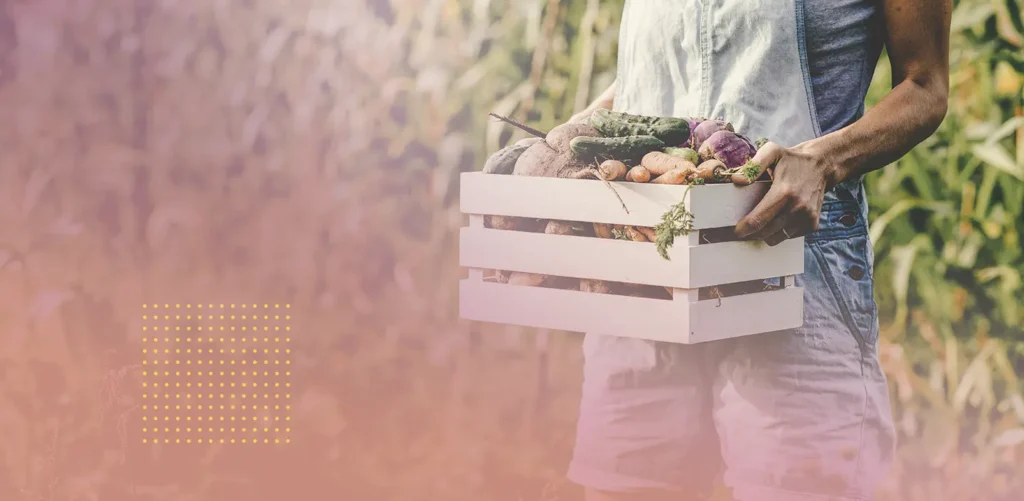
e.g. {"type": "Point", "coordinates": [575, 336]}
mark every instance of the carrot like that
{"type": "Point", "coordinates": [602, 230]}
{"type": "Point", "coordinates": [711, 171]}
{"type": "Point", "coordinates": [638, 174]}
{"type": "Point", "coordinates": [647, 232]}
{"type": "Point", "coordinates": [674, 176]}
{"type": "Point", "coordinates": [659, 163]}
{"type": "Point", "coordinates": [635, 234]}
{"type": "Point", "coordinates": [612, 170]}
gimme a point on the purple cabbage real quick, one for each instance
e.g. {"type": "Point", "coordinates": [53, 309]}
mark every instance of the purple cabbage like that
{"type": "Point", "coordinates": [727, 147]}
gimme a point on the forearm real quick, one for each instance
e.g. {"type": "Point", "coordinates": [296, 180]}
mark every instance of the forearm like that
{"type": "Point", "coordinates": [889, 130]}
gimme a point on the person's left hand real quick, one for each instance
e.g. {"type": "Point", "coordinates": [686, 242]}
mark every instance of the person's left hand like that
{"type": "Point", "coordinates": [790, 209]}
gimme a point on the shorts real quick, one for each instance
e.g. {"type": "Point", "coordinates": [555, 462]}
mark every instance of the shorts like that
{"type": "Point", "coordinates": [800, 414]}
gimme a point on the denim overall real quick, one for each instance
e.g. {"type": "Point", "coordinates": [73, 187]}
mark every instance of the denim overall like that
{"type": "Point", "coordinates": [792, 415]}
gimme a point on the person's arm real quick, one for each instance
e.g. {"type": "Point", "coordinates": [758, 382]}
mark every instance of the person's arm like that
{"type": "Point", "coordinates": [918, 47]}
{"type": "Point", "coordinates": [605, 100]}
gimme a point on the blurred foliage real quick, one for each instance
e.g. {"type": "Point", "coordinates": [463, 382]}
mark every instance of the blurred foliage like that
{"type": "Point", "coordinates": [309, 151]}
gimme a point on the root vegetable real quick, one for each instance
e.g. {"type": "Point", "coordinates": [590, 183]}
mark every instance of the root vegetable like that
{"type": "Point", "coordinates": [674, 176]}
{"type": "Point", "coordinates": [706, 129]}
{"type": "Point", "coordinates": [559, 137]}
{"type": "Point", "coordinates": [728, 148]}
{"type": "Point", "coordinates": [659, 162]}
{"type": "Point", "coordinates": [647, 232]}
{"type": "Point", "coordinates": [602, 230]}
{"type": "Point", "coordinates": [712, 171]}
{"type": "Point", "coordinates": [514, 223]}
{"type": "Point", "coordinates": [635, 235]}
{"type": "Point", "coordinates": [555, 227]}
{"type": "Point", "coordinates": [638, 174]}
{"type": "Point", "coordinates": [612, 170]}
{"type": "Point", "coordinates": [504, 160]}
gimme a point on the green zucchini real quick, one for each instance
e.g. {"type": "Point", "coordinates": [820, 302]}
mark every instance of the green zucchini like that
{"type": "Point", "coordinates": [625, 149]}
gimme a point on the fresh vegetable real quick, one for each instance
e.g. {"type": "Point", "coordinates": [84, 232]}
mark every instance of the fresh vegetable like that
{"type": "Point", "coordinates": [638, 174]}
{"type": "Point", "coordinates": [504, 160]}
{"type": "Point", "coordinates": [612, 170]}
{"type": "Point", "coordinates": [727, 147]}
{"type": "Point", "coordinates": [706, 128]}
{"type": "Point", "coordinates": [544, 161]}
{"type": "Point", "coordinates": [625, 149]}
{"type": "Point", "coordinates": [602, 230]}
{"type": "Point", "coordinates": [635, 235]}
{"type": "Point", "coordinates": [659, 162]}
{"type": "Point", "coordinates": [648, 233]}
{"type": "Point", "coordinates": [711, 171]}
{"type": "Point", "coordinates": [674, 176]}
{"type": "Point", "coordinates": [688, 154]}
{"type": "Point", "coordinates": [616, 124]}
{"type": "Point", "coordinates": [559, 137]}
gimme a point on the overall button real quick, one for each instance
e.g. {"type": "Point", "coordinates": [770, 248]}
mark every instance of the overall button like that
{"type": "Point", "coordinates": [848, 219]}
{"type": "Point", "coordinates": [856, 272]}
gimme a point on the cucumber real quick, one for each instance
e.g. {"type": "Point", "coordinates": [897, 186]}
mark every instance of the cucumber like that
{"type": "Point", "coordinates": [674, 131]}
{"type": "Point", "coordinates": [625, 149]}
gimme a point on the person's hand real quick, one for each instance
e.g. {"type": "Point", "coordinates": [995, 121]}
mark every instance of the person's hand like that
{"type": "Point", "coordinates": [790, 209]}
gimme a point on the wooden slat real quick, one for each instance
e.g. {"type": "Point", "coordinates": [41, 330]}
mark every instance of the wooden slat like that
{"type": "Point", "coordinates": [731, 262]}
{"type": "Point", "coordinates": [746, 314]}
{"type": "Point", "coordinates": [630, 262]}
{"type": "Point", "coordinates": [658, 320]}
{"type": "Point", "coordinates": [575, 311]}
{"type": "Point", "coordinates": [713, 206]}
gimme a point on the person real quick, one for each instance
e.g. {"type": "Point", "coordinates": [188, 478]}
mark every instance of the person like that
{"type": "Point", "coordinates": [793, 415]}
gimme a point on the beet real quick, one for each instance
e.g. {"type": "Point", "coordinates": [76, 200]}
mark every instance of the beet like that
{"type": "Point", "coordinates": [705, 129]}
{"type": "Point", "coordinates": [727, 147]}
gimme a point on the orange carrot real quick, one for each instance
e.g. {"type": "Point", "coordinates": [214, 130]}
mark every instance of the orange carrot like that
{"type": "Point", "coordinates": [638, 174]}
{"type": "Point", "coordinates": [612, 170]}
{"type": "Point", "coordinates": [674, 176]}
{"type": "Point", "coordinates": [659, 163]}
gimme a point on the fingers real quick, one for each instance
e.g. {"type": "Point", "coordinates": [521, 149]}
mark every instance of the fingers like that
{"type": "Point", "coordinates": [763, 217]}
{"type": "Point", "coordinates": [765, 158]}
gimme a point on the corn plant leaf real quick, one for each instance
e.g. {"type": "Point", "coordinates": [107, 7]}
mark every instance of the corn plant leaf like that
{"type": "Point", "coordinates": [997, 156]}
{"type": "Point", "coordinates": [1008, 127]}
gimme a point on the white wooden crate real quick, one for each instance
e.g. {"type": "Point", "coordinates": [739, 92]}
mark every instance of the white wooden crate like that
{"type": "Point", "coordinates": [683, 319]}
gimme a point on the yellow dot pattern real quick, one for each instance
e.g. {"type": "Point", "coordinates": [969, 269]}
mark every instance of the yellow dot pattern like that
{"type": "Point", "coordinates": [216, 373]}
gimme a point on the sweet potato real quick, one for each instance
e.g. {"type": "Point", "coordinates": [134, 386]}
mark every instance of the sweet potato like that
{"type": "Point", "coordinates": [638, 174]}
{"type": "Point", "coordinates": [674, 176]}
{"type": "Point", "coordinates": [659, 162]}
